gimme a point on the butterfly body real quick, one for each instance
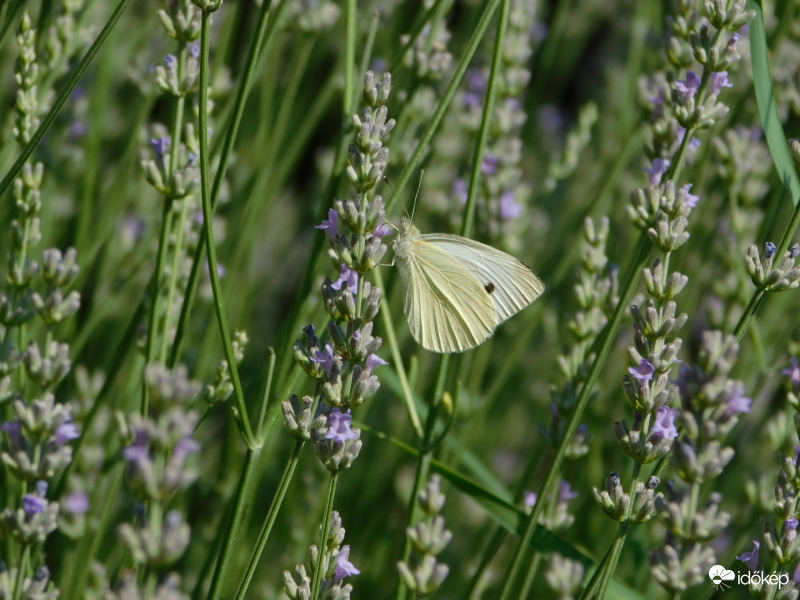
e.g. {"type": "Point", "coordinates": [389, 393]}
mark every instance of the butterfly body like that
{"type": "Point", "coordinates": [457, 290]}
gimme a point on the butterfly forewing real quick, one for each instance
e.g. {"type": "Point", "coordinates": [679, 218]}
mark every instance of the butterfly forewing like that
{"type": "Point", "coordinates": [448, 309]}
{"type": "Point", "coordinates": [509, 283]}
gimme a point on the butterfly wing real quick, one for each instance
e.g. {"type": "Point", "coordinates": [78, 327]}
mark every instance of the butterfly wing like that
{"type": "Point", "coordinates": [447, 308]}
{"type": "Point", "coordinates": [510, 283]}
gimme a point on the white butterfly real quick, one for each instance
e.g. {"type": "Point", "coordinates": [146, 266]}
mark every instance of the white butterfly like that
{"type": "Point", "coordinates": [457, 291]}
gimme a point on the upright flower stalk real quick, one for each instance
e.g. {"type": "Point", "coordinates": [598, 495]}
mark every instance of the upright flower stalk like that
{"type": "Point", "coordinates": [343, 365]}
{"type": "Point", "coordinates": [662, 211]}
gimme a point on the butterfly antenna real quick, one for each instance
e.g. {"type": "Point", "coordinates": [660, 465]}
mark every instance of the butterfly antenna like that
{"type": "Point", "coordinates": [419, 187]}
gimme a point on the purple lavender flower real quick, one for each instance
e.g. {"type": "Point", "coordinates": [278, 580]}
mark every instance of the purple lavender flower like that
{"type": "Point", "coordinates": [381, 230]}
{"type": "Point", "coordinates": [476, 88]}
{"type": "Point", "coordinates": [344, 567]}
{"type": "Point", "coordinates": [161, 146]}
{"type": "Point", "coordinates": [33, 504]}
{"type": "Point", "coordinates": [530, 498]}
{"type": "Point", "coordinates": [691, 199]}
{"type": "Point", "coordinates": [76, 503]}
{"type": "Point", "coordinates": [718, 81]}
{"type": "Point", "coordinates": [791, 524]}
{"type": "Point", "coordinates": [461, 190]}
{"type": "Point", "coordinates": [738, 403]}
{"type": "Point", "coordinates": [565, 493]}
{"type": "Point", "coordinates": [138, 449]}
{"type": "Point", "coordinates": [13, 430]}
{"type": "Point", "coordinates": [793, 372]}
{"type": "Point", "coordinates": [490, 164]}
{"type": "Point", "coordinates": [331, 225]}
{"type": "Point", "coordinates": [194, 50]}
{"type": "Point", "coordinates": [324, 358]}
{"type": "Point", "coordinates": [339, 427]}
{"type": "Point", "coordinates": [664, 425]}
{"type": "Point", "coordinates": [170, 61]}
{"type": "Point", "coordinates": [509, 207]}
{"type": "Point", "coordinates": [187, 446]}
{"type": "Point", "coordinates": [657, 170]}
{"type": "Point", "coordinates": [643, 372]}
{"type": "Point", "coordinates": [769, 250]}
{"type": "Point", "coordinates": [348, 276]}
{"type": "Point", "coordinates": [751, 558]}
{"type": "Point", "coordinates": [689, 86]}
{"type": "Point", "coordinates": [66, 432]}
{"type": "Point", "coordinates": [373, 361]}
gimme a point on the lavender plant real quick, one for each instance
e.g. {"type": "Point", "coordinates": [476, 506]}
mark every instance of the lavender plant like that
{"type": "Point", "coordinates": [137, 227]}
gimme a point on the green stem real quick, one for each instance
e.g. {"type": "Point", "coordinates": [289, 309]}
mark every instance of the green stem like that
{"type": "Point", "coordinates": [605, 341]}
{"type": "Point", "coordinates": [58, 104]}
{"type": "Point", "coordinates": [227, 148]}
{"type": "Point", "coordinates": [423, 462]}
{"type": "Point", "coordinates": [326, 524]}
{"type": "Point", "coordinates": [397, 359]}
{"type": "Point", "coordinates": [243, 421]}
{"type": "Point", "coordinates": [788, 235]}
{"type": "Point", "coordinates": [155, 294]}
{"type": "Point", "coordinates": [436, 119]}
{"type": "Point", "coordinates": [269, 521]}
{"type": "Point", "coordinates": [232, 536]}
{"type": "Point", "coordinates": [487, 118]}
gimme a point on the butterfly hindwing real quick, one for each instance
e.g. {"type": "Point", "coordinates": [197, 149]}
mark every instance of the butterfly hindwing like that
{"type": "Point", "coordinates": [510, 283]}
{"type": "Point", "coordinates": [448, 309]}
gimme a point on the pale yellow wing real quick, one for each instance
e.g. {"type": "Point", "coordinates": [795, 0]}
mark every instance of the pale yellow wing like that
{"type": "Point", "coordinates": [447, 308]}
{"type": "Point", "coordinates": [510, 283]}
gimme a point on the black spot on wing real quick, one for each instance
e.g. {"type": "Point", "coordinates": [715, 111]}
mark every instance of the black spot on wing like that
{"type": "Point", "coordinates": [489, 287]}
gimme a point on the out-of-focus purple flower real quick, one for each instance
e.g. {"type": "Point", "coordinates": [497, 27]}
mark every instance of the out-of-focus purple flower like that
{"type": "Point", "coordinates": [339, 427]}
{"type": "Point", "coordinates": [194, 50]}
{"type": "Point", "coordinates": [738, 403]}
{"type": "Point", "coordinates": [530, 498]}
{"type": "Point", "coordinates": [791, 524]}
{"type": "Point", "coordinates": [644, 371]}
{"type": "Point", "coordinates": [691, 199]}
{"type": "Point", "coordinates": [170, 61]}
{"type": "Point", "coordinates": [13, 430]}
{"type": "Point", "coordinates": [689, 86]}
{"type": "Point", "coordinates": [565, 493]}
{"type": "Point", "coordinates": [324, 358]}
{"type": "Point", "coordinates": [657, 170]}
{"type": "Point", "coordinates": [461, 190]}
{"type": "Point", "coordinates": [138, 449]}
{"type": "Point", "coordinates": [769, 250]}
{"type": "Point", "coordinates": [344, 567]}
{"type": "Point", "coordinates": [373, 361]}
{"type": "Point", "coordinates": [187, 446]}
{"type": "Point", "coordinates": [490, 164]}
{"type": "Point", "coordinates": [664, 425]}
{"type": "Point", "coordinates": [161, 146]}
{"type": "Point", "coordinates": [751, 558]}
{"type": "Point", "coordinates": [476, 88]}
{"type": "Point", "coordinates": [509, 207]}
{"type": "Point", "coordinates": [793, 372]}
{"type": "Point", "coordinates": [193, 158]}
{"type": "Point", "coordinates": [330, 225]}
{"type": "Point", "coordinates": [718, 81]}
{"type": "Point", "coordinates": [66, 432]}
{"type": "Point", "coordinates": [76, 503]}
{"type": "Point", "coordinates": [538, 32]}
{"type": "Point", "coordinates": [348, 276]}
{"type": "Point", "coordinates": [33, 504]}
